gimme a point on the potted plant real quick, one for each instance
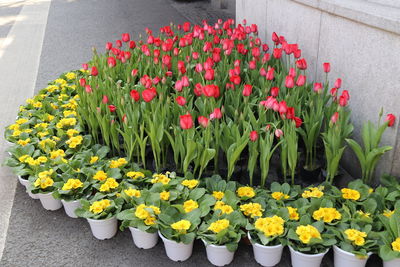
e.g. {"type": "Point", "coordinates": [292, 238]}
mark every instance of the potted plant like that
{"type": "Point", "coordinates": [389, 250]}
{"type": "Point", "coordinates": [178, 231]}
{"type": "Point", "coordinates": [101, 216]}
{"type": "Point", "coordinates": [268, 236]}
{"type": "Point", "coordinates": [221, 235]}
{"type": "Point", "coordinates": [44, 186]}
{"type": "Point", "coordinates": [141, 219]}
{"type": "Point", "coordinates": [309, 242]}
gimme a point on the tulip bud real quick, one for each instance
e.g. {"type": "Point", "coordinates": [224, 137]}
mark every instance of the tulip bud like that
{"type": "Point", "coordinates": [203, 121]}
{"type": "Point", "coordinates": [85, 66]}
{"type": "Point", "coordinates": [274, 91]}
{"type": "Point", "coordinates": [342, 101]}
{"type": "Point", "coordinates": [112, 108]}
{"type": "Point", "coordinates": [135, 95]}
{"type": "Point", "coordinates": [318, 88]}
{"type": "Point", "coordinates": [335, 117]}
{"type": "Point", "coordinates": [247, 90]}
{"type": "Point", "coordinates": [298, 121]}
{"type": "Point", "coordinates": [278, 133]}
{"type": "Point", "coordinates": [216, 114]}
{"type": "Point", "coordinates": [253, 136]}
{"type": "Point", "coordinates": [338, 83]}
{"type": "Point", "coordinates": [82, 81]}
{"type": "Point", "coordinates": [126, 37]}
{"type": "Point", "coordinates": [390, 118]}
{"type": "Point", "coordinates": [94, 71]}
{"type": "Point", "coordinates": [292, 72]}
{"type": "Point", "coordinates": [180, 100]}
{"type": "Point", "coordinates": [327, 67]}
{"type": "Point", "coordinates": [105, 99]}
{"type": "Point", "coordinates": [301, 80]}
{"type": "Point", "coordinates": [109, 46]}
{"type": "Point", "coordinates": [289, 82]}
{"type": "Point", "coordinates": [186, 121]}
{"type": "Point", "coordinates": [88, 89]}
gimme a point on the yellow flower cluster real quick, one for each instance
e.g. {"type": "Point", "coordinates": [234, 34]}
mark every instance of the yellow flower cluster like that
{"type": "Point", "coordinates": [164, 195]}
{"type": "Point", "coordinates": [313, 192]}
{"type": "Point", "coordinates": [245, 191]}
{"type": "Point", "coordinates": [135, 175]}
{"type": "Point", "coordinates": [144, 212]}
{"type": "Point", "coordinates": [31, 161]}
{"type": "Point", "coordinates": [190, 205]}
{"type": "Point", "coordinates": [327, 214]}
{"type": "Point", "coordinates": [109, 184]}
{"type": "Point", "coordinates": [218, 226]}
{"type": "Point", "coordinates": [190, 183]}
{"type": "Point", "coordinates": [293, 214]}
{"type": "Point", "coordinates": [356, 236]}
{"type": "Point", "coordinates": [160, 178]}
{"type": "Point", "coordinates": [118, 163]}
{"type": "Point", "coordinates": [67, 113]}
{"type": "Point", "coordinates": [100, 176]}
{"type": "Point", "coordinates": [99, 206]}
{"type": "Point", "coordinates": [388, 213]}
{"type": "Point", "coordinates": [20, 121]}
{"type": "Point", "coordinates": [279, 195]}
{"type": "Point", "coordinates": [93, 159]}
{"type": "Point", "coordinates": [57, 153]}
{"type": "Point", "coordinates": [306, 232]}
{"type": "Point", "coordinates": [218, 195]}
{"type": "Point", "coordinates": [70, 75]}
{"type": "Point", "coordinates": [270, 226]}
{"type": "Point", "coordinates": [72, 184]}
{"type": "Point", "coordinates": [44, 179]}
{"type": "Point", "coordinates": [24, 142]}
{"type": "Point", "coordinates": [74, 141]}
{"type": "Point", "coordinates": [224, 208]}
{"type": "Point", "coordinates": [72, 132]}
{"type": "Point", "coordinates": [396, 245]}
{"type": "Point", "coordinates": [132, 192]}
{"type": "Point", "coordinates": [66, 122]}
{"type": "Point", "coordinates": [352, 194]}
{"type": "Point", "coordinates": [252, 209]}
{"type": "Point", "coordinates": [181, 226]}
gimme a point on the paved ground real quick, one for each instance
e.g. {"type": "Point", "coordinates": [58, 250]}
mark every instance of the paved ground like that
{"type": "Point", "coordinates": [37, 237]}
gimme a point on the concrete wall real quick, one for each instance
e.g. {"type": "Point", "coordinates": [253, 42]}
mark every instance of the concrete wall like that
{"type": "Point", "coordinates": [228, 5]}
{"type": "Point", "coordinates": [361, 40]}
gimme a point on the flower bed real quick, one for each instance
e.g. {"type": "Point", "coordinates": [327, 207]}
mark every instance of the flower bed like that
{"type": "Point", "coordinates": [88, 139]}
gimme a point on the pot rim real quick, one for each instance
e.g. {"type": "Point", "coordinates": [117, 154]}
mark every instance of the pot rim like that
{"type": "Point", "coordinates": [66, 201]}
{"type": "Point", "coordinates": [260, 245]}
{"type": "Point", "coordinates": [336, 248]}
{"type": "Point", "coordinates": [309, 255]}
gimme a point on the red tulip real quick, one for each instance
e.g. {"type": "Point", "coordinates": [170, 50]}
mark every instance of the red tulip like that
{"type": "Point", "coordinates": [216, 114]}
{"type": "Point", "coordinates": [278, 133]}
{"type": "Point", "coordinates": [235, 79]}
{"type": "Point", "coordinates": [263, 72]}
{"type": "Point", "coordinates": [209, 76]}
{"type": "Point", "coordinates": [82, 81]}
{"type": "Point", "coordinates": [265, 58]}
{"type": "Point", "coordinates": [255, 52]}
{"type": "Point", "coordinates": [274, 91]}
{"type": "Point", "coordinates": [180, 100]}
{"type": "Point", "coordinates": [134, 72]}
{"type": "Point", "coordinates": [253, 136]}
{"type": "Point", "coordinates": [178, 85]}
{"type": "Point", "coordinates": [112, 108]}
{"type": "Point", "coordinates": [338, 83]}
{"type": "Point", "coordinates": [126, 37]}
{"type": "Point", "coordinates": [247, 90]}
{"type": "Point", "coordinates": [85, 66]}
{"type": "Point", "coordinates": [135, 95]}
{"type": "Point", "coordinates": [203, 121]}
{"type": "Point", "coordinates": [289, 82]}
{"type": "Point", "coordinates": [390, 118]}
{"type": "Point", "coordinates": [270, 74]}
{"type": "Point", "coordinates": [301, 64]}
{"type": "Point", "coordinates": [290, 113]}
{"type": "Point", "coordinates": [297, 53]}
{"type": "Point", "coordinates": [148, 94]}
{"type": "Point", "coordinates": [333, 91]}
{"type": "Point", "coordinates": [292, 72]}
{"type": "Point", "coordinates": [335, 117]}
{"type": "Point", "coordinates": [275, 38]}
{"type": "Point", "coordinates": [118, 43]}
{"type": "Point", "coordinates": [318, 88]}
{"type": "Point", "coordinates": [109, 46]}
{"type": "Point", "coordinates": [345, 94]}
{"type": "Point", "coordinates": [327, 67]}
{"type": "Point", "coordinates": [342, 101]}
{"type": "Point", "coordinates": [186, 26]}
{"type": "Point", "coordinates": [198, 89]}
{"type": "Point", "coordinates": [111, 62]}
{"type": "Point", "coordinates": [132, 44]}
{"type": "Point", "coordinates": [88, 89]}
{"type": "Point", "coordinates": [186, 121]}
{"type": "Point", "coordinates": [265, 47]}
{"type": "Point", "coordinates": [252, 64]}
{"type": "Point", "coordinates": [94, 71]}
{"type": "Point", "coordinates": [301, 80]}
{"type": "Point", "coordinates": [105, 99]}
{"type": "Point", "coordinates": [298, 121]}
{"type": "Point", "coordinates": [195, 55]}
{"type": "Point", "coordinates": [282, 107]}
{"type": "Point", "coordinates": [277, 53]}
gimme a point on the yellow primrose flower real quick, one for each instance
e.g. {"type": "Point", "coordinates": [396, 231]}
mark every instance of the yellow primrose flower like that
{"type": "Point", "coordinates": [313, 192]}
{"type": "Point", "coordinates": [190, 183]}
{"type": "Point", "coordinates": [49, 117]}
{"type": "Point", "coordinates": [74, 141]}
{"type": "Point", "coordinates": [109, 184]}
{"type": "Point", "coordinates": [16, 133]}
{"type": "Point", "coordinates": [135, 175]}
{"type": "Point", "coordinates": [252, 209]}
{"type": "Point", "coordinates": [388, 213]}
{"type": "Point", "coordinates": [357, 237]}
{"type": "Point", "coordinates": [348, 193]}
{"type": "Point", "coordinates": [164, 195]}
{"type": "Point", "coordinates": [100, 176]}
{"type": "Point", "coordinates": [224, 208]}
{"type": "Point", "coordinates": [72, 184]}
{"type": "Point", "coordinates": [246, 191]}
{"type": "Point", "coordinates": [327, 214]}
{"type": "Point", "coordinates": [23, 158]}
{"type": "Point", "coordinates": [306, 232]}
{"type": "Point", "coordinates": [181, 226]}
{"type": "Point", "coordinates": [42, 134]}
{"type": "Point", "coordinates": [57, 153]}
{"type": "Point", "coordinates": [72, 132]}
{"type": "Point", "coordinates": [66, 122]}
{"type": "Point", "coordinates": [279, 195]}
{"type": "Point", "coordinates": [118, 163]}
{"type": "Point", "coordinates": [93, 159]}
{"type": "Point", "coordinates": [160, 178]}
{"type": "Point", "coordinates": [13, 127]}
{"type": "Point", "coordinates": [21, 121]}
{"type": "Point", "coordinates": [293, 214]}
{"type": "Point", "coordinates": [132, 192]}
{"type": "Point", "coordinates": [60, 81]}
{"type": "Point", "coordinates": [42, 125]}
{"type": "Point", "coordinates": [99, 206]}
{"type": "Point", "coordinates": [218, 226]}
{"type": "Point", "coordinates": [44, 179]}
{"type": "Point", "coordinates": [67, 113]}
{"type": "Point", "coordinates": [396, 245]}
{"type": "Point", "coordinates": [70, 75]}
{"type": "Point", "coordinates": [218, 195]}
{"type": "Point", "coordinates": [52, 88]}
{"type": "Point", "coordinates": [24, 142]}
{"type": "Point", "coordinates": [190, 205]}
{"type": "Point", "coordinates": [270, 226]}
{"type": "Point", "coordinates": [141, 212]}
{"type": "Point", "coordinates": [150, 220]}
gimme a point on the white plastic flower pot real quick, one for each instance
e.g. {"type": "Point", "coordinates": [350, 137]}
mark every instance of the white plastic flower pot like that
{"type": "Point", "coordinates": [342, 258]}
{"type": "Point", "coordinates": [266, 255]}
{"type": "Point", "coordinates": [103, 229]}
{"type": "Point", "coordinates": [392, 263]}
{"type": "Point", "coordinates": [143, 239]}
{"type": "Point", "coordinates": [49, 202]}
{"type": "Point", "coordinates": [306, 260]}
{"type": "Point", "coordinates": [177, 251]}
{"type": "Point", "coordinates": [218, 255]}
{"type": "Point", "coordinates": [25, 183]}
{"type": "Point", "coordinates": [70, 207]}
